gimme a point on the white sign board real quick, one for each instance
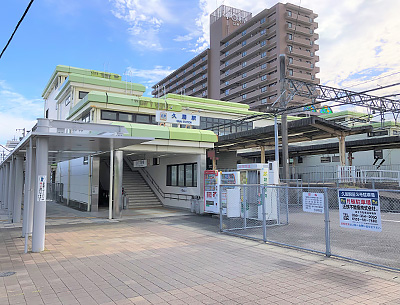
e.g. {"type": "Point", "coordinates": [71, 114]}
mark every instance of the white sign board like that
{"type": "Point", "coordinates": [140, 163]}
{"type": "Point", "coordinates": [313, 202]}
{"type": "Point", "coordinates": [252, 166]}
{"type": "Point", "coordinates": [177, 118]}
{"type": "Point", "coordinates": [41, 188]}
{"type": "Point", "coordinates": [360, 209]}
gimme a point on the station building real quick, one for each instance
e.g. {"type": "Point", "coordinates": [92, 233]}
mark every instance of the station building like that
{"type": "Point", "coordinates": [167, 170]}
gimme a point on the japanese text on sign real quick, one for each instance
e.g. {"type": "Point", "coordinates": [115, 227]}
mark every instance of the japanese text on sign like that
{"type": "Point", "coordinates": [41, 188]}
{"type": "Point", "coordinates": [313, 202]}
{"type": "Point", "coordinates": [177, 118]}
{"type": "Point", "coordinates": [360, 209]}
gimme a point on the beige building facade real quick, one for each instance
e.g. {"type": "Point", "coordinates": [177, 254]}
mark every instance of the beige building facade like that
{"type": "Point", "coordinates": [242, 62]}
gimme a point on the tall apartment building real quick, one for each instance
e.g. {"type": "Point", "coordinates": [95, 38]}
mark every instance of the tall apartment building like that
{"type": "Point", "coordinates": [242, 63]}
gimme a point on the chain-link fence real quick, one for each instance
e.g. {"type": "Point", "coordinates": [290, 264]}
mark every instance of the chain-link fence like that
{"type": "Point", "coordinates": [309, 218]}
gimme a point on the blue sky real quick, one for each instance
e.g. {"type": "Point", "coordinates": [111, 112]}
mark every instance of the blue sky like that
{"type": "Point", "coordinates": [152, 38]}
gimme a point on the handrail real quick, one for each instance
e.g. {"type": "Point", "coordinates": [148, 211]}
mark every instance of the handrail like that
{"type": "Point", "coordinates": [162, 193]}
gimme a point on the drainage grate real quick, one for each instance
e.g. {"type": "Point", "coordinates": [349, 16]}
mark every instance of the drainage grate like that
{"type": "Point", "coordinates": [7, 273]}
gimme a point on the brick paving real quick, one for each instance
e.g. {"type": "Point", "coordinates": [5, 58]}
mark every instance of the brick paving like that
{"type": "Point", "coordinates": [178, 260]}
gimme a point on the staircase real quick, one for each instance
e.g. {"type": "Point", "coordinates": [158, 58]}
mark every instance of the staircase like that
{"type": "Point", "coordinates": [140, 195]}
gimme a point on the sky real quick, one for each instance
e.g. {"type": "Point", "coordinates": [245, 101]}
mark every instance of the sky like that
{"type": "Point", "coordinates": [148, 39]}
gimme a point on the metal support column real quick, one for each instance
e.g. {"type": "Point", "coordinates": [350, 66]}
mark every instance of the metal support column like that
{"type": "Point", "coordinates": [327, 224]}
{"type": "Point", "coordinates": [276, 140]}
{"type": "Point", "coordinates": [11, 186]}
{"type": "Point", "coordinates": [110, 191]}
{"type": "Point", "coordinates": [39, 213]}
{"type": "Point", "coordinates": [342, 149]}
{"type": "Point", "coordinates": [1, 187]}
{"type": "Point", "coordinates": [118, 171]}
{"type": "Point", "coordinates": [19, 184]}
{"type": "Point", "coordinates": [6, 184]}
{"type": "Point", "coordinates": [262, 154]}
{"type": "Point", "coordinates": [32, 188]}
{"type": "Point", "coordinates": [285, 147]}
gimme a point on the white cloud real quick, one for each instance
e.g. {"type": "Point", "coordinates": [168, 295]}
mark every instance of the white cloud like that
{"type": "Point", "coordinates": [145, 19]}
{"type": "Point", "coordinates": [16, 112]}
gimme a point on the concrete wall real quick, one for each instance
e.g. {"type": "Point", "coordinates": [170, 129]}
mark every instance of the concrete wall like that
{"type": "Point", "coordinates": [76, 186]}
{"type": "Point", "coordinates": [159, 174]}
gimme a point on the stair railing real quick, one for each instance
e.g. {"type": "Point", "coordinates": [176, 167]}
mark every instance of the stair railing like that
{"type": "Point", "coordinates": [146, 175]}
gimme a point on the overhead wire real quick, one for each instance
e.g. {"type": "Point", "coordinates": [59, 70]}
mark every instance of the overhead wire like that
{"type": "Point", "coordinates": [16, 28]}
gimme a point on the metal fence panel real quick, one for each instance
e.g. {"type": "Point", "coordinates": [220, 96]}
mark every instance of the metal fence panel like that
{"type": "Point", "coordinates": [380, 248]}
{"type": "Point", "coordinates": [276, 214]}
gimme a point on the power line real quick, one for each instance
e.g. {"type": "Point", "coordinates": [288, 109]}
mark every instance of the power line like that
{"type": "Point", "coordinates": [371, 80]}
{"type": "Point", "coordinates": [19, 22]}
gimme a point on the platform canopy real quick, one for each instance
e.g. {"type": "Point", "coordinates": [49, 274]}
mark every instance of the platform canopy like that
{"type": "Point", "coordinates": [70, 140]}
{"type": "Point", "coordinates": [299, 130]}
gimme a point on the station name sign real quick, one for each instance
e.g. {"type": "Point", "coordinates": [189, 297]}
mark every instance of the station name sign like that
{"type": "Point", "coordinates": [177, 118]}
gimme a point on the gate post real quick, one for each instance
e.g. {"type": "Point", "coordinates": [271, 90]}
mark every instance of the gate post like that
{"type": "Point", "coordinates": [264, 213]}
{"type": "Point", "coordinates": [327, 224]}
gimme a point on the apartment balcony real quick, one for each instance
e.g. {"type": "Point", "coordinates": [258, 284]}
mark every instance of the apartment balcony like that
{"type": "Point", "coordinates": [299, 18]}
{"type": "Point", "coordinates": [300, 53]}
{"type": "Point", "coordinates": [304, 77]}
{"type": "Point", "coordinates": [301, 65]}
{"type": "Point", "coordinates": [299, 30]}
{"type": "Point", "coordinates": [299, 41]}
{"type": "Point", "coordinates": [254, 73]}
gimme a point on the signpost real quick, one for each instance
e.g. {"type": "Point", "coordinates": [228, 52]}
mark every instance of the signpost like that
{"type": "Point", "coordinates": [360, 209]}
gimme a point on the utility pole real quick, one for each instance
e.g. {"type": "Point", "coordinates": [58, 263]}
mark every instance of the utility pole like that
{"type": "Point", "coordinates": [284, 131]}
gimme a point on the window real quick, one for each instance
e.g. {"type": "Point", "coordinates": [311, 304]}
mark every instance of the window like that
{"type": "Point", "coordinates": [311, 31]}
{"type": "Point", "coordinates": [290, 36]}
{"type": "Point", "coordinates": [226, 72]}
{"type": "Point", "coordinates": [108, 115]}
{"type": "Point", "coordinates": [244, 64]}
{"type": "Point", "coordinates": [263, 66]}
{"type": "Point", "coordinates": [264, 31]}
{"type": "Point", "coordinates": [82, 94]}
{"type": "Point", "coordinates": [263, 89]}
{"type": "Point", "coordinates": [203, 59]}
{"type": "Point", "coordinates": [244, 33]}
{"type": "Point", "coordinates": [290, 60]}
{"type": "Point", "coordinates": [204, 76]}
{"type": "Point", "coordinates": [227, 63]}
{"type": "Point", "coordinates": [263, 54]}
{"type": "Point", "coordinates": [312, 54]}
{"type": "Point", "coordinates": [226, 92]}
{"type": "Point", "coordinates": [204, 93]}
{"type": "Point", "coordinates": [203, 85]}
{"type": "Point", "coordinates": [290, 48]}
{"type": "Point", "coordinates": [262, 20]}
{"type": "Point", "coordinates": [244, 74]}
{"type": "Point", "coordinates": [244, 85]}
{"type": "Point", "coordinates": [311, 42]}
{"type": "Point", "coordinates": [86, 160]}
{"type": "Point", "coordinates": [142, 118]}
{"type": "Point", "coordinates": [244, 43]}
{"type": "Point", "coordinates": [194, 81]}
{"type": "Point", "coordinates": [264, 77]}
{"type": "Point", "coordinates": [310, 19]}
{"type": "Point", "coordinates": [182, 175]}
{"type": "Point", "coordinates": [263, 43]}
{"type": "Point", "coordinates": [204, 67]}
{"type": "Point", "coordinates": [86, 118]}
{"type": "Point", "coordinates": [289, 13]}
{"type": "Point", "coordinates": [194, 72]}
{"type": "Point", "coordinates": [263, 101]}
{"type": "Point", "coordinates": [226, 43]}
{"type": "Point", "coordinates": [312, 65]}
{"type": "Point", "coordinates": [244, 96]}
{"type": "Point", "coordinates": [194, 65]}
{"type": "Point", "coordinates": [68, 100]}
{"type": "Point", "coordinates": [291, 72]}
{"type": "Point", "coordinates": [312, 77]}
{"type": "Point", "coordinates": [227, 83]}
{"type": "Point", "coordinates": [244, 53]}
{"type": "Point", "coordinates": [289, 24]}
{"type": "Point", "coordinates": [226, 53]}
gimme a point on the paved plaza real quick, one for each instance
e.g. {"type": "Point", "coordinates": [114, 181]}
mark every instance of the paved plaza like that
{"type": "Point", "coordinates": [162, 256]}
